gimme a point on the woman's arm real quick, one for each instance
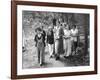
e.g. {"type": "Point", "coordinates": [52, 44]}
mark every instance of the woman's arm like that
{"type": "Point", "coordinates": [35, 38]}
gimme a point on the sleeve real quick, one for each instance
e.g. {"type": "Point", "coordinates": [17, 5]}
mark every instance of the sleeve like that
{"type": "Point", "coordinates": [44, 35]}
{"type": "Point", "coordinates": [35, 38]}
{"type": "Point", "coordinates": [77, 33]}
{"type": "Point", "coordinates": [47, 38]}
{"type": "Point", "coordinates": [53, 34]}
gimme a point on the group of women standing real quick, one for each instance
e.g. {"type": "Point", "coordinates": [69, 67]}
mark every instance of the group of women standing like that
{"type": "Point", "coordinates": [64, 40]}
{"type": "Point", "coordinates": [59, 39]}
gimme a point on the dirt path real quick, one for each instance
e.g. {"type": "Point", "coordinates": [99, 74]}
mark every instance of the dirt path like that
{"type": "Point", "coordinates": [30, 60]}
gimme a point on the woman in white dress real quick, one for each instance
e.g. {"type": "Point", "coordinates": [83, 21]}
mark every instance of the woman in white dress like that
{"type": "Point", "coordinates": [67, 41]}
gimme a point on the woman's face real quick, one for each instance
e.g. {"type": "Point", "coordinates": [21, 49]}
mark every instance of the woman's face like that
{"type": "Point", "coordinates": [49, 31]}
{"type": "Point", "coordinates": [74, 27]}
{"type": "Point", "coordinates": [50, 28]}
{"type": "Point", "coordinates": [66, 27]}
{"type": "Point", "coordinates": [38, 32]}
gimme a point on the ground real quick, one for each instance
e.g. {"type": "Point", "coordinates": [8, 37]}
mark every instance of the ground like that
{"type": "Point", "coordinates": [30, 59]}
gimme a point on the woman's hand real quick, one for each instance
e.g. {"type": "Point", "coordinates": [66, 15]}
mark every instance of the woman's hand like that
{"type": "Point", "coordinates": [66, 37]}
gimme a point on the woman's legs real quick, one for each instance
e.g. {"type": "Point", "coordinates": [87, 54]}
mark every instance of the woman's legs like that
{"type": "Point", "coordinates": [50, 49]}
{"type": "Point", "coordinates": [65, 46]}
{"type": "Point", "coordinates": [38, 54]}
{"type": "Point", "coordinates": [40, 51]}
{"type": "Point", "coordinates": [42, 55]}
{"type": "Point", "coordinates": [69, 47]}
{"type": "Point", "coordinates": [74, 46]}
{"type": "Point", "coordinates": [56, 49]}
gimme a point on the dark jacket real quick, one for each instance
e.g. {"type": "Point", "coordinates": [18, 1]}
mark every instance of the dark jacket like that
{"type": "Point", "coordinates": [44, 35]}
{"type": "Point", "coordinates": [36, 39]}
{"type": "Point", "coordinates": [50, 38]}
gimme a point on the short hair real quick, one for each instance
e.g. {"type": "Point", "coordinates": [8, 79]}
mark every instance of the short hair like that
{"type": "Point", "coordinates": [38, 29]}
{"type": "Point", "coordinates": [42, 26]}
{"type": "Point", "coordinates": [60, 24]}
{"type": "Point", "coordinates": [74, 26]}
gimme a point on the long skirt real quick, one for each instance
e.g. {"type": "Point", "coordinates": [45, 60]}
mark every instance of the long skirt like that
{"type": "Point", "coordinates": [67, 47]}
{"type": "Point", "coordinates": [56, 46]}
{"type": "Point", "coordinates": [59, 47]}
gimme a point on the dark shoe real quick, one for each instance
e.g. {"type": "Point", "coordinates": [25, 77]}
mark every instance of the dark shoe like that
{"type": "Point", "coordinates": [70, 56]}
{"type": "Point", "coordinates": [57, 58]}
{"type": "Point", "coordinates": [65, 57]}
{"type": "Point", "coordinates": [51, 56]}
{"type": "Point", "coordinates": [41, 64]}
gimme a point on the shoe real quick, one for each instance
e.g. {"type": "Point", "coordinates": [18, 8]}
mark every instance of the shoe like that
{"type": "Point", "coordinates": [66, 57]}
{"type": "Point", "coordinates": [51, 56]}
{"type": "Point", "coordinates": [70, 56]}
{"type": "Point", "coordinates": [57, 58]}
{"type": "Point", "coordinates": [41, 64]}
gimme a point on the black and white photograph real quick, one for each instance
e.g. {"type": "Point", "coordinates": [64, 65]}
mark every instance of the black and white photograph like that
{"type": "Point", "coordinates": [51, 40]}
{"type": "Point", "coordinates": [55, 39]}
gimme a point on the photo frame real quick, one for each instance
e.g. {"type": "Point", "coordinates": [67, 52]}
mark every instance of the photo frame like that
{"type": "Point", "coordinates": [22, 8]}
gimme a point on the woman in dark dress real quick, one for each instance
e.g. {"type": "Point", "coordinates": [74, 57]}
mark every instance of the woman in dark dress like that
{"type": "Point", "coordinates": [60, 46]}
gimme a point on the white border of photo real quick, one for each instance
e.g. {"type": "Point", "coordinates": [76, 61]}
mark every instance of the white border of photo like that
{"type": "Point", "coordinates": [21, 71]}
